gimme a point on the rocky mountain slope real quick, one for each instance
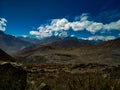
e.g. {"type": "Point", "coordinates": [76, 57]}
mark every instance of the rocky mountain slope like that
{"type": "Point", "coordinates": [12, 75]}
{"type": "Point", "coordinates": [72, 51]}
{"type": "Point", "coordinates": [4, 57]}
{"type": "Point", "coordinates": [11, 44]}
{"type": "Point", "coordinates": [30, 40]}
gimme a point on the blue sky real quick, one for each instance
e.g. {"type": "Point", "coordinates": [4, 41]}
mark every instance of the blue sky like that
{"type": "Point", "coordinates": [42, 18]}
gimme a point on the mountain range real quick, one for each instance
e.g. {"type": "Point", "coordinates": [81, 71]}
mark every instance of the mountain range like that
{"type": "Point", "coordinates": [59, 50]}
{"type": "Point", "coordinates": [72, 51]}
{"type": "Point", "coordinates": [12, 44]}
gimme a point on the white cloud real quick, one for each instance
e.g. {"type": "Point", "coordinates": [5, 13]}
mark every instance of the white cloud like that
{"type": "Point", "coordinates": [63, 34]}
{"type": "Point", "coordinates": [59, 26]}
{"type": "Point", "coordinates": [84, 17]}
{"type": "Point", "coordinates": [77, 18]}
{"type": "Point", "coordinates": [34, 33]}
{"type": "Point", "coordinates": [41, 33]}
{"type": "Point", "coordinates": [25, 36]}
{"type": "Point", "coordinates": [103, 38]}
{"type": "Point", "coordinates": [113, 25]}
{"type": "Point", "coordinates": [95, 27]}
{"type": "Point", "coordinates": [79, 26]}
{"type": "Point", "coordinates": [72, 35]}
{"type": "Point", "coordinates": [2, 24]}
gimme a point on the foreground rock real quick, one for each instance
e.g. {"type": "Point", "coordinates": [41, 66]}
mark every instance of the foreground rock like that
{"type": "Point", "coordinates": [44, 86]}
{"type": "Point", "coordinates": [12, 77]}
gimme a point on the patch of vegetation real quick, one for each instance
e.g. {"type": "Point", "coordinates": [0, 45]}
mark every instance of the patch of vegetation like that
{"type": "Point", "coordinates": [72, 77]}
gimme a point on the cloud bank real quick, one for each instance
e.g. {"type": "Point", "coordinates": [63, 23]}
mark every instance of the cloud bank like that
{"type": "Point", "coordinates": [2, 24]}
{"type": "Point", "coordinates": [103, 38]}
{"type": "Point", "coordinates": [60, 27]}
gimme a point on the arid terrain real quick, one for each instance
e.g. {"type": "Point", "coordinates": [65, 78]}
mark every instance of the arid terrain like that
{"type": "Point", "coordinates": [73, 77]}
{"type": "Point", "coordinates": [59, 44]}
{"type": "Point", "coordinates": [72, 52]}
{"type": "Point", "coordinates": [67, 65]}
{"type": "Point", "coordinates": [71, 65]}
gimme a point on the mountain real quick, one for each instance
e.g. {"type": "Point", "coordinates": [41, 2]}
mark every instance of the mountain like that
{"type": "Point", "coordinates": [110, 44]}
{"type": "Point", "coordinates": [56, 38]}
{"type": "Point", "coordinates": [93, 42]}
{"type": "Point", "coordinates": [48, 50]}
{"type": "Point", "coordinates": [4, 57]}
{"type": "Point", "coordinates": [30, 40]}
{"type": "Point", "coordinates": [11, 44]}
{"type": "Point", "coordinates": [57, 45]}
{"type": "Point", "coordinates": [12, 74]}
{"type": "Point", "coordinates": [72, 51]}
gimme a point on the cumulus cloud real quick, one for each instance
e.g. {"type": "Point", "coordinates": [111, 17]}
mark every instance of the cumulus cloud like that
{"type": "Point", "coordinates": [60, 24]}
{"type": "Point", "coordinates": [79, 26]}
{"type": "Point", "coordinates": [57, 27]}
{"type": "Point", "coordinates": [84, 17]}
{"type": "Point", "coordinates": [60, 27]}
{"type": "Point", "coordinates": [41, 33]}
{"type": "Point", "coordinates": [95, 27]}
{"type": "Point", "coordinates": [2, 24]}
{"type": "Point", "coordinates": [103, 38]}
{"type": "Point", "coordinates": [113, 25]}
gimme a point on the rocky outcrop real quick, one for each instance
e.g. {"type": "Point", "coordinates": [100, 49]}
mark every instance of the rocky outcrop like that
{"type": "Point", "coordinates": [44, 86]}
{"type": "Point", "coordinates": [4, 57]}
{"type": "Point", "coordinates": [12, 77]}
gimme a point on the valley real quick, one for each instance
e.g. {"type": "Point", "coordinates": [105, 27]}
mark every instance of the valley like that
{"type": "Point", "coordinates": [66, 65]}
{"type": "Point", "coordinates": [71, 51]}
{"type": "Point", "coordinates": [71, 66]}
{"type": "Point", "coordinates": [59, 44]}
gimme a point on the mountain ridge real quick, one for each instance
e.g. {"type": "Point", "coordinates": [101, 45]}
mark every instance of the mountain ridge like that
{"type": "Point", "coordinates": [72, 52]}
{"type": "Point", "coordinates": [11, 44]}
{"type": "Point", "coordinates": [4, 57]}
